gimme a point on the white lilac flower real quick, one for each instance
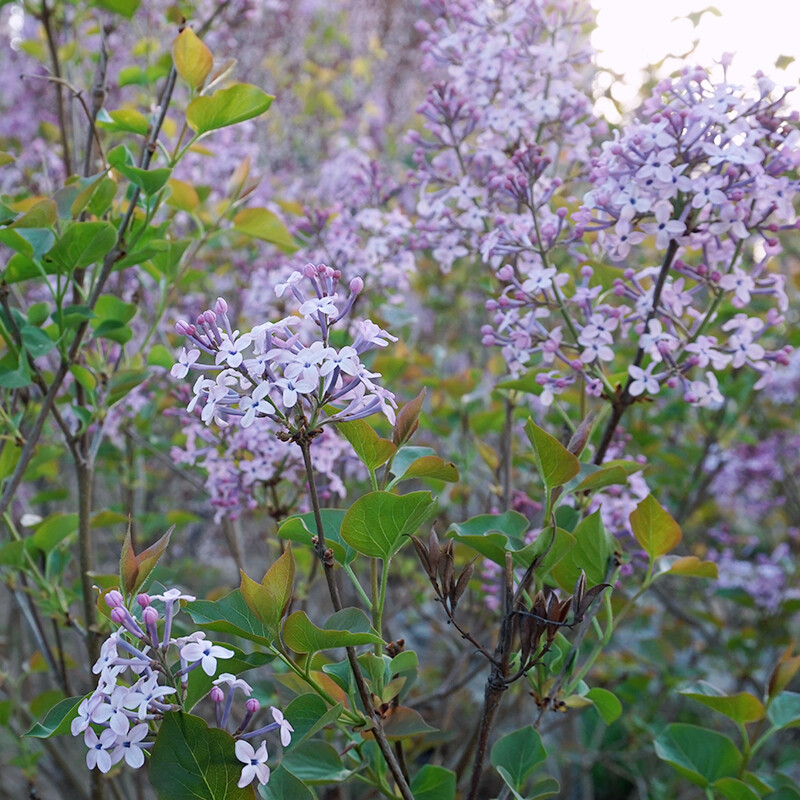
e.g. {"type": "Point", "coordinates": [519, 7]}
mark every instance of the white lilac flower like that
{"type": "Point", "coordinates": [185, 362]}
{"type": "Point", "coordinates": [255, 762]}
{"type": "Point", "coordinates": [285, 727]}
{"type": "Point", "coordinates": [234, 682]}
{"type": "Point", "coordinates": [99, 754]}
{"type": "Point", "coordinates": [129, 747]}
{"type": "Point", "coordinates": [206, 653]}
{"type": "Point", "coordinates": [148, 691]}
{"type": "Point", "coordinates": [643, 380]}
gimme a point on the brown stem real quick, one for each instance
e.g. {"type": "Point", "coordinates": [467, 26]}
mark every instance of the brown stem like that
{"type": "Point", "coordinates": [621, 403]}
{"type": "Point", "coordinates": [63, 122]}
{"type": "Point", "coordinates": [497, 682]}
{"type": "Point", "coordinates": [303, 439]}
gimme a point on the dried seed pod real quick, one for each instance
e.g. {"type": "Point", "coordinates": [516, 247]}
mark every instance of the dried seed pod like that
{"type": "Point", "coordinates": [462, 583]}
{"type": "Point", "coordinates": [433, 550]}
{"type": "Point", "coordinates": [424, 557]}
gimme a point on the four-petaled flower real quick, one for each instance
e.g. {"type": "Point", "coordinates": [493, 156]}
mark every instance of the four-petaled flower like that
{"type": "Point", "coordinates": [255, 763]}
{"type": "Point", "coordinates": [286, 729]}
{"type": "Point", "coordinates": [207, 653]}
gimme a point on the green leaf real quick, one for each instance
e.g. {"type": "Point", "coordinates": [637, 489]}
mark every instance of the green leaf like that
{"type": "Point", "coordinates": [422, 462]}
{"type": "Point", "coordinates": [401, 722]}
{"type": "Point", "coordinates": [284, 786]}
{"type": "Point", "coordinates": [150, 181]}
{"type": "Point", "coordinates": [315, 762]}
{"type": "Point", "coordinates": [655, 530]}
{"type": "Point", "coordinates": [345, 628]}
{"type": "Point", "coordinates": [378, 523]}
{"type": "Point", "coordinates": [733, 789]}
{"type": "Point", "coordinates": [368, 446]}
{"type": "Point", "coordinates": [160, 356]}
{"type": "Point", "coordinates": [552, 548]}
{"type": "Point", "coordinates": [191, 760]}
{"type": "Point", "coordinates": [300, 529]}
{"type": "Point", "coordinates": [269, 599]}
{"type": "Point", "coordinates": [308, 714]}
{"type": "Point", "coordinates": [229, 615]}
{"type": "Point", "coordinates": [126, 8]}
{"type": "Point", "coordinates": [42, 214]}
{"type": "Point", "coordinates": [699, 754]}
{"type": "Point", "coordinates": [51, 532]}
{"type": "Point", "coordinates": [555, 463]}
{"type": "Point", "coordinates": [125, 120]}
{"type": "Point", "coordinates": [594, 547]}
{"type": "Point", "coordinates": [511, 524]}
{"type": "Point", "coordinates": [38, 313]}
{"type": "Point", "coordinates": [784, 710]}
{"type": "Point", "coordinates": [110, 307]}
{"type": "Point", "coordinates": [606, 703]}
{"type": "Point", "coordinates": [238, 103]}
{"type": "Point", "coordinates": [434, 783]}
{"type": "Point", "coordinates": [549, 787]}
{"type": "Point", "coordinates": [742, 707]}
{"type": "Point", "coordinates": [16, 375]}
{"type": "Point", "coordinates": [262, 224]}
{"type": "Point", "coordinates": [36, 341]}
{"type": "Point", "coordinates": [599, 478]}
{"type": "Point", "coordinates": [56, 721]}
{"type": "Point", "coordinates": [519, 753]}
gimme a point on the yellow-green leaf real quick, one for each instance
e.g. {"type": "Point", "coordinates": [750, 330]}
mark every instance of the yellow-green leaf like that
{"type": "Point", "coordinates": [193, 60]}
{"type": "Point", "coordinates": [693, 567]}
{"type": "Point", "coordinates": [183, 196]}
{"type": "Point", "coordinates": [654, 529]}
{"type": "Point", "coordinates": [556, 464]}
{"type": "Point", "coordinates": [263, 224]}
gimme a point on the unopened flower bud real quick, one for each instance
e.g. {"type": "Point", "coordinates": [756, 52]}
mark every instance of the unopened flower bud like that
{"type": "Point", "coordinates": [220, 306]}
{"type": "Point", "coordinates": [150, 615]}
{"type": "Point", "coordinates": [143, 599]}
{"type": "Point", "coordinates": [114, 599]}
{"type": "Point", "coordinates": [118, 615]}
{"type": "Point", "coordinates": [216, 694]}
{"type": "Point", "coordinates": [356, 285]}
{"type": "Point", "coordinates": [252, 705]}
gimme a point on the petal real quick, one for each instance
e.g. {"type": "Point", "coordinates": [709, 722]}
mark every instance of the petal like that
{"type": "Point", "coordinates": [134, 757]}
{"type": "Point", "coordinates": [244, 751]}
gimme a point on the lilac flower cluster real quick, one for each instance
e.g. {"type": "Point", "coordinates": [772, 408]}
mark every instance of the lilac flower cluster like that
{"type": "Point", "coordinates": [515, 97]}
{"type": "Point", "coordinates": [246, 468]}
{"type": "Point", "coordinates": [706, 183]}
{"type": "Point", "coordinates": [126, 706]}
{"type": "Point", "coordinates": [284, 376]}
{"type": "Point", "coordinates": [137, 684]}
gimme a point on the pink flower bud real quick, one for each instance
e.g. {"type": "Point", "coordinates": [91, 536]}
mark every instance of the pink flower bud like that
{"type": "Point", "coordinates": [209, 316]}
{"type": "Point", "coordinates": [216, 694]}
{"type": "Point", "coordinates": [150, 615]}
{"type": "Point", "coordinates": [252, 705]}
{"type": "Point", "coordinates": [310, 271]}
{"type": "Point", "coordinates": [118, 615]}
{"type": "Point", "coordinates": [114, 599]}
{"type": "Point", "coordinates": [221, 307]}
{"type": "Point", "coordinates": [143, 599]}
{"type": "Point", "coordinates": [356, 285]}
